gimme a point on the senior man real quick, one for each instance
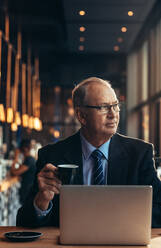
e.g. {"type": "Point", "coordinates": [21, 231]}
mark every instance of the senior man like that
{"type": "Point", "coordinates": [124, 160]}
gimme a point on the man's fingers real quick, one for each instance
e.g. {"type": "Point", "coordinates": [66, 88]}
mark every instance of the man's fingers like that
{"type": "Point", "coordinates": [50, 171]}
{"type": "Point", "coordinates": [53, 189]}
{"type": "Point", "coordinates": [47, 185]}
{"type": "Point", "coordinates": [50, 167]}
{"type": "Point", "coordinates": [48, 179]}
{"type": "Point", "coordinates": [48, 175]}
{"type": "Point", "coordinates": [50, 182]}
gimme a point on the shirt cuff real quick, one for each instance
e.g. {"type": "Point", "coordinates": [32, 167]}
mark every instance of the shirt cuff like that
{"type": "Point", "coordinates": [43, 213]}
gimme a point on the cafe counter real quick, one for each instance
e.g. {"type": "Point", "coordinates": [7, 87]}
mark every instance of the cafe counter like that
{"type": "Point", "coordinates": [9, 200]}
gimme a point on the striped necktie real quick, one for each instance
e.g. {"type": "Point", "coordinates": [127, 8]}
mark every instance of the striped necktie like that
{"type": "Point", "coordinates": [98, 178]}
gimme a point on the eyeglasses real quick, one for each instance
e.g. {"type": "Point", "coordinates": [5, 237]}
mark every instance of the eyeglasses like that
{"type": "Point", "coordinates": [105, 109]}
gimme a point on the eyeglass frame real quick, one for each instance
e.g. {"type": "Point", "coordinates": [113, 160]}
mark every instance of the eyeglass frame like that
{"type": "Point", "coordinates": [107, 107]}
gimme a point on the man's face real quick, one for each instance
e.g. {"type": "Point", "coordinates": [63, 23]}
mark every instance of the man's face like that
{"type": "Point", "coordinates": [94, 121]}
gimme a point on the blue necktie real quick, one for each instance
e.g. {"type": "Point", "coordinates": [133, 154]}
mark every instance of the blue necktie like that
{"type": "Point", "coordinates": [98, 178]}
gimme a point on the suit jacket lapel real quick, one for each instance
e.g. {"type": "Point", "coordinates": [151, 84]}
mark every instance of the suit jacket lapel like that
{"type": "Point", "coordinates": [73, 155]}
{"type": "Point", "coordinates": [117, 163]}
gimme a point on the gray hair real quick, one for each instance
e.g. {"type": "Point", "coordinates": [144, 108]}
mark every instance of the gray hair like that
{"type": "Point", "coordinates": [80, 91]}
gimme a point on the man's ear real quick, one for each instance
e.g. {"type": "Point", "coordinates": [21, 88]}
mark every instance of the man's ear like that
{"type": "Point", "coordinates": [80, 115]}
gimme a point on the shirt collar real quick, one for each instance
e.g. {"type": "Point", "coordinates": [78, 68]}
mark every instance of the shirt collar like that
{"type": "Point", "coordinates": [88, 148]}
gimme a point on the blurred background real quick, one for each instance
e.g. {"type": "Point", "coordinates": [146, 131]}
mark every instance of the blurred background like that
{"type": "Point", "coordinates": [47, 47]}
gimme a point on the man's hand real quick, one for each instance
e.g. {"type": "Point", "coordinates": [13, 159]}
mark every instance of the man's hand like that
{"type": "Point", "coordinates": [49, 185]}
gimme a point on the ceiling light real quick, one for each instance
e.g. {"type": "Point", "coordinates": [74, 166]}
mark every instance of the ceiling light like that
{"type": "Point", "coordinates": [130, 13]}
{"type": "Point", "coordinates": [57, 90]}
{"type": "Point", "coordinates": [81, 48]}
{"type": "Point", "coordinates": [120, 39]}
{"type": "Point", "coordinates": [116, 48]}
{"type": "Point", "coordinates": [124, 29]}
{"type": "Point", "coordinates": [25, 120]}
{"type": "Point", "coordinates": [82, 12]}
{"type": "Point", "coordinates": [31, 122]}
{"type": "Point", "coordinates": [37, 124]}
{"type": "Point", "coordinates": [56, 133]}
{"type": "Point", "coordinates": [69, 101]}
{"type": "Point", "coordinates": [2, 113]}
{"type": "Point", "coordinates": [14, 127]}
{"type": "Point", "coordinates": [82, 29]}
{"type": "Point", "coordinates": [71, 111]}
{"type": "Point", "coordinates": [82, 39]}
{"type": "Point", "coordinates": [17, 118]}
{"type": "Point", "coordinates": [9, 115]}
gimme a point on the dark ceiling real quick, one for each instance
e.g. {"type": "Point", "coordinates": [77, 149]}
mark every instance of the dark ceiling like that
{"type": "Point", "coordinates": [103, 22]}
{"type": "Point", "coordinates": [51, 28]}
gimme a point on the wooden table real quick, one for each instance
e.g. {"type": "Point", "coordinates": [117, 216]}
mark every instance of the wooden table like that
{"type": "Point", "coordinates": [51, 236]}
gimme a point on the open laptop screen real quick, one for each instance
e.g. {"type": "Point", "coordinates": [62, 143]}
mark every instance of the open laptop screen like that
{"type": "Point", "coordinates": [105, 214]}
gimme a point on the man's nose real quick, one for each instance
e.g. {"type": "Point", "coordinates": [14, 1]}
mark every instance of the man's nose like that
{"type": "Point", "coordinates": [111, 112]}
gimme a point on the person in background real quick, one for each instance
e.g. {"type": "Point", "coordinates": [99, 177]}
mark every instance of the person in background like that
{"type": "Point", "coordinates": [122, 160]}
{"type": "Point", "coordinates": [35, 146]}
{"type": "Point", "coordinates": [25, 169]}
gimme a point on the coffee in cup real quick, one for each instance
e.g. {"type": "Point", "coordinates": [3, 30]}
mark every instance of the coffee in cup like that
{"type": "Point", "coordinates": [67, 172]}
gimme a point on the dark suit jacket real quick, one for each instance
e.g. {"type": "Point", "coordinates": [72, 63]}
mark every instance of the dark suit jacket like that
{"type": "Point", "coordinates": [130, 163]}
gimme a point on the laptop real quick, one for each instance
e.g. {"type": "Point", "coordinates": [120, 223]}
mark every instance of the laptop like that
{"type": "Point", "coordinates": [111, 215]}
